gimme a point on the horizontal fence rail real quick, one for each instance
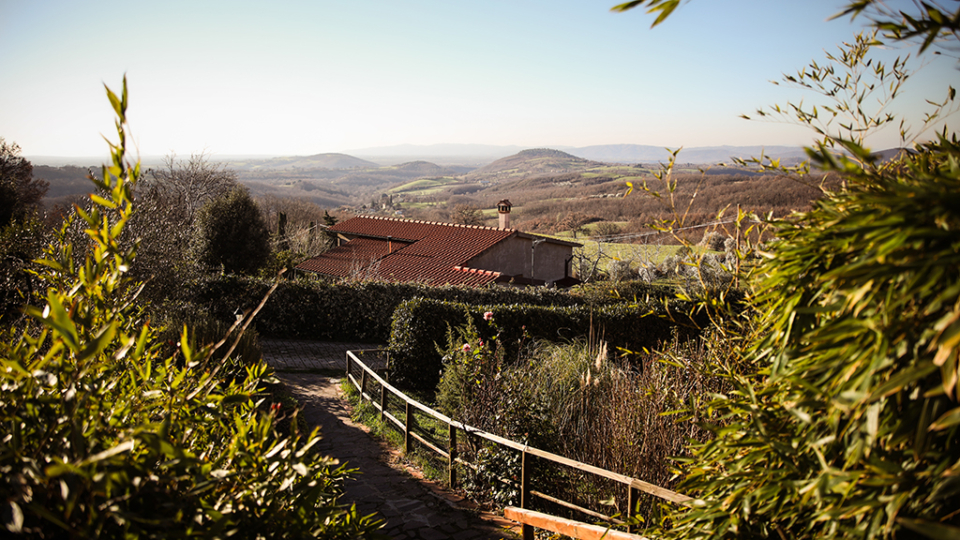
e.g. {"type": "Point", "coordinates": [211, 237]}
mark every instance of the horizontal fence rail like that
{"type": "Point", "coordinates": [407, 426]}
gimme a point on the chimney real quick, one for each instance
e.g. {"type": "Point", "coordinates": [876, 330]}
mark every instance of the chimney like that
{"type": "Point", "coordinates": [503, 210]}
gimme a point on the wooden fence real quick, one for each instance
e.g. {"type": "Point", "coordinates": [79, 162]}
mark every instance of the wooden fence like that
{"type": "Point", "coordinates": [528, 455]}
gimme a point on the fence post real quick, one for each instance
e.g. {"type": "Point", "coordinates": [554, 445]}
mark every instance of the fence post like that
{"type": "Point", "coordinates": [363, 383]}
{"type": "Point", "coordinates": [386, 371]}
{"type": "Point", "coordinates": [406, 429]}
{"type": "Point", "coordinates": [452, 473]}
{"type": "Point", "coordinates": [632, 498]}
{"type": "Point", "coordinates": [348, 365]}
{"type": "Point", "coordinates": [383, 401]}
{"type": "Point", "coordinates": [526, 464]}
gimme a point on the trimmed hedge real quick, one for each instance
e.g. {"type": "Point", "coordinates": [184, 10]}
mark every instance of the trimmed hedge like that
{"type": "Point", "coordinates": [362, 311]}
{"type": "Point", "coordinates": [420, 326]}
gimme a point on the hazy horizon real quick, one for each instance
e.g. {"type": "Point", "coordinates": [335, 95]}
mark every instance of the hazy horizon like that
{"type": "Point", "coordinates": [305, 78]}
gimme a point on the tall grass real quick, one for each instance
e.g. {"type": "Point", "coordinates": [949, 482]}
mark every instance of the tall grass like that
{"type": "Point", "coordinates": [587, 403]}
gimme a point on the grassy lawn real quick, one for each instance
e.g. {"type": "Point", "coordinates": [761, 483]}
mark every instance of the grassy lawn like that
{"type": "Point", "coordinates": [646, 253]}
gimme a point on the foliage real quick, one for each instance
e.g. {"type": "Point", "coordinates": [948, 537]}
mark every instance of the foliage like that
{"type": "Point", "coordinates": [20, 243]}
{"type": "Point", "coordinates": [167, 201]}
{"type": "Point", "coordinates": [22, 234]}
{"type": "Point", "coordinates": [231, 234]}
{"type": "Point", "coordinates": [466, 214]}
{"type": "Point", "coordinates": [415, 333]}
{"type": "Point", "coordinates": [107, 437]}
{"type": "Point", "coordinates": [577, 400]}
{"type": "Point", "coordinates": [187, 186]}
{"type": "Point", "coordinates": [931, 22]}
{"type": "Point", "coordinates": [848, 427]}
{"type": "Point", "coordinates": [362, 311]}
{"type": "Point", "coordinates": [20, 192]}
{"type": "Point", "coordinates": [843, 417]}
{"type": "Point", "coordinates": [304, 237]}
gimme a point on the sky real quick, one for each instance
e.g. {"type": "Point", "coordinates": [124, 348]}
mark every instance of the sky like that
{"type": "Point", "coordinates": [232, 77]}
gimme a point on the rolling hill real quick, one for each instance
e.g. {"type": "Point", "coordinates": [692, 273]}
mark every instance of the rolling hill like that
{"type": "Point", "coordinates": [527, 163]}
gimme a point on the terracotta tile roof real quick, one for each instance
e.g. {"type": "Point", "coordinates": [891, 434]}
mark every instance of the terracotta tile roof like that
{"type": "Point", "coordinates": [422, 251]}
{"type": "Point", "coordinates": [349, 258]}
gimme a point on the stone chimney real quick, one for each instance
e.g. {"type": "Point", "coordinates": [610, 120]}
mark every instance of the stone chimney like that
{"type": "Point", "coordinates": [503, 210]}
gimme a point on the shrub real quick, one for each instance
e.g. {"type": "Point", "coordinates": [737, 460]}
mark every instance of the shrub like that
{"type": "Point", "coordinates": [850, 408]}
{"type": "Point", "coordinates": [417, 330]}
{"type": "Point", "coordinates": [362, 311]}
{"type": "Point", "coordinates": [579, 401]}
{"type": "Point", "coordinates": [107, 437]}
{"type": "Point", "coordinates": [714, 241]}
{"type": "Point", "coordinates": [230, 234]}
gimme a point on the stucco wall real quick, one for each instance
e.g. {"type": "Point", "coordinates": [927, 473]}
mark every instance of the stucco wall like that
{"type": "Point", "coordinates": [516, 255]}
{"type": "Point", "coordinates": [549, 260]}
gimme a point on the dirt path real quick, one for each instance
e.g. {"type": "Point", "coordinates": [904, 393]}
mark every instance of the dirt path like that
{"type": "Point", "coordinates": [412, 508]}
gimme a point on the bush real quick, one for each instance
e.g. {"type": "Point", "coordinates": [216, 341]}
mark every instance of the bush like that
{"type": "Point", "coordinates": [850, 408]}
{"type": "Point", "coordinates": [362, 311]}
{"type": "Point", "coordinates": [108, 437]}
{"type": "Point", "coordinates": [714, 241]}
{"type": "Point", "coordinates": [579, 401]}
{"type": "Point", "coordinates": [417, 330]}
{"type": "Point", "coordinates": [230, 234]}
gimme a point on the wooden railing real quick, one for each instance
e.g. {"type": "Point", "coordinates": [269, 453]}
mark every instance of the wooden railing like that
{"type": "Point", "coordinates": [367, 377]}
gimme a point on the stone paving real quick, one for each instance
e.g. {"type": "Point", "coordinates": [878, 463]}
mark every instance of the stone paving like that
{"type": "Point", "coordinates": [305, 355]}
{"type": "Point", "coordinates": [412, 507]}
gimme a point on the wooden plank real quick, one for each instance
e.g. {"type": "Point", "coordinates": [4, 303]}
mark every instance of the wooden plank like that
{"type": "Point", "coordinates": [572, 506]}
{"type": "Point", "coordinates": [573, 529]}
{"type": "Point", "coordinates": [443, 453]}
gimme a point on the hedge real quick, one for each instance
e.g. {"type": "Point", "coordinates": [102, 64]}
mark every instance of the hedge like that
{"type": "Point", "coordinates": [362, 311]}
{"type": "Point", "coordinates": [420, 326]}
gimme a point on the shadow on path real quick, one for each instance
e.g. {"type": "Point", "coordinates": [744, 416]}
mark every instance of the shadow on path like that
{"type": "Point", "coordinates": [410, 509]}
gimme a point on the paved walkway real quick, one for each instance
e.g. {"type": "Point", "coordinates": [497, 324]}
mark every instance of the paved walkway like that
{"type": "Point", "coordinates": [412, 507]}
{"type": "Point", "coordinates": [305, 355]}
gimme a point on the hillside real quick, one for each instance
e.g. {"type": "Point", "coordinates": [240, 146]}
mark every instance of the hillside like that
{"type": "Point", "coordinates": [317, 161]}
{"type": "Point", "coordinates": [424, 168]}
{"type": "Point", "coordinates": [637, 153]}
{"type": "Point", "coordinates": [528, 163]}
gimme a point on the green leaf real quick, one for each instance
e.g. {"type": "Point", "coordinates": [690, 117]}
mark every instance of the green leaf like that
{"type": "Point", "coordinates": [235, 398]}
{"type": "Point", "coordinates": [931, 529]}
{"type": "Point", "coordinates": [946, 420]}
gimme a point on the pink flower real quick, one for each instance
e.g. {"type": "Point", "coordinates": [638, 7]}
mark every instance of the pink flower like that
{"type": "Point", "coordinates": [488, 315]}
{"type": "Point", "coordinates": [466, 347]}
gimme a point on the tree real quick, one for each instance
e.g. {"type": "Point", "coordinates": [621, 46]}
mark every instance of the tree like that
{"type": "Point", "coordinates": [21, 232]}
{"type": "Point", "coordinates": [188, 185]}
{"type": "Point", "coordinates": [302, 216]}
{"type": "Point", "coordinates": [606, 231]}
{"type": "Point", "coordinates": [167, 203]}
{"type": "Point", "coordinates": [230, 234]}
{"type": "Point", "coordinates": [466, 214]}
{"type": "Point", "coordinates": [20, 192]}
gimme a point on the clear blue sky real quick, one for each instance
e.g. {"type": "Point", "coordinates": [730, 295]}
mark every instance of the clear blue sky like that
{"type": "Point", "coordinates": [306, 77]}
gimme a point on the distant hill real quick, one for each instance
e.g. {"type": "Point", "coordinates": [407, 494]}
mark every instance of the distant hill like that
{"type": "Point", "coordinates": [446, 150]}
{"type": "Point", "coordinates": [424, 168]}
{"type": "Point", "coordinates": [609, 153]}
{"type": "Point", "coordinates": [317, 161]}
{"type": "Point", "coordinates": [636, 153]}
{"type": "Point", "coordinates": [533, 162]}
{"type": "Point", "coordinates": [67, 183]}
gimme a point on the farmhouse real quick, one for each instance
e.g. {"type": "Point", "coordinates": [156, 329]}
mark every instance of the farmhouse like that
{"type": "Point", "coordinates": [392, 249]}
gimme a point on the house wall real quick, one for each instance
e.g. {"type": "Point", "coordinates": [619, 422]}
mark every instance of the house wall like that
{"type": "Point", "coordinates": [517, 256]}
{"type": "Point", "coordinates": [549, 260]}
{"type": "Point", "coordinates": [510, 257]}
